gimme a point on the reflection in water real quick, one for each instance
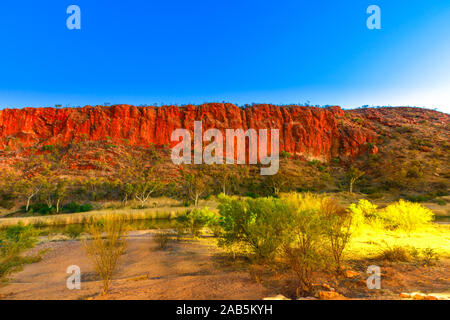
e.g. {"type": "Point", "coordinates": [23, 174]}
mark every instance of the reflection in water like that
{"type": "Point", "coordinates": [442, 220]}
{"type": "Point", "coordinates": [148, 224]}
{"type": "Point", "coordinates": [151, 224]}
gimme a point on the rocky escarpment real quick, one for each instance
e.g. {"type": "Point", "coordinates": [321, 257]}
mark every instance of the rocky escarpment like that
{"type": "Point", "coordinates": [309, 132]}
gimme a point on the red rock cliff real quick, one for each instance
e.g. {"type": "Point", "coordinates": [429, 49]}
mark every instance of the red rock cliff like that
{"type": "Point", "coordinates": [315, 133]}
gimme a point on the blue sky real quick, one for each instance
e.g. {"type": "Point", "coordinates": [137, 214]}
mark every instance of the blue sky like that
{"type": "Point", "coordinates": [240, 51]}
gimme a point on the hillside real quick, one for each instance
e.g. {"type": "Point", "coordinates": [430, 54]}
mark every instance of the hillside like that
{"type": "Point", "coordinates": [400, 150]}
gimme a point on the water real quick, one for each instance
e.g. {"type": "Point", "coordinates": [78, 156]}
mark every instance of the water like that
{"type": "Point", "coordinates": [152, 224]}
{"type": "Point", "coordinates": [134, 225]}
{"type": "Point", "coordinates": [442, 220]}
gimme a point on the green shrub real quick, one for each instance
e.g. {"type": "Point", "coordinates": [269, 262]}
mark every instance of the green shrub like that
{"type": "Point", "coordinates": [13, 241]}
{"type": "Point", "coordinates": [48, 148]}
{"type": "Point", "coordinates": [41, 208]}
{"type": "Point", "coordinates": [256, 223]}
{"type": "Point", "coordinates": [338, 230]}
{"type": "Point", "coordinates": [214, 225]}
{"type": "Point", "coordinates": [196, 220]}
{"type": "Point", "coordinates": [303, 247]}
{"type": "Point", "coordinates": [7, 204]}
{"type": "Point", "coordinates": [398, 253]}
{"type": "Point", "coordinates": [364, 212]}
{"type": "Point", "coordinates": [405, 215]}
{"type": "Point", "coordinates": [74, 230]}
{"type": "Point", "coordinates": [264, 226]}
{"type": "Point", "coordinates": [419, 198]}
{"type": "Point", "coordinates": [74, 207]}
{"type": "Point", "coordinates": [429, 256]}
{"type": "Point", "coordinates": [162, 238]}
{"type": "Point", "coordinates": [284, 154]}
{"type": "Point", "coordinates": [25, 236]}
{"type": "Point", "coordinates": [233, 218]}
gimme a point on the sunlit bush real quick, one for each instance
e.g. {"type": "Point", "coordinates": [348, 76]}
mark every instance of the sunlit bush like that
{"type": "Point", "coordinates": [253, 222]}
{"type": "Point", "coordinates": [303, 201]}
{"type": "Point", "coordinates": [406, 216]}
{"type": "Point", "coordinates": [107, 244]}
{"type": "Point", "coordinates": [304, 231]}
{"type": "Point", "coordinates": [364, 212]}
{"type": "Point", "coordinates": [303, 246]}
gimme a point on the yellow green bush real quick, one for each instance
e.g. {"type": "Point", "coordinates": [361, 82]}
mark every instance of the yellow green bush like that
{"type": "Point", "coordinates": [363, 212]}
{"type": "Point", "coordinates": [405, 215]}
{"type": "Point", "coordinates": [402, 215]}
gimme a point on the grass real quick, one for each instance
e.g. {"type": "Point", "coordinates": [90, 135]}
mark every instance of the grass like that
{"type": "Point", "coordinates": [369, 242]}
{"type": "Point", "coordinates": [84, 217]}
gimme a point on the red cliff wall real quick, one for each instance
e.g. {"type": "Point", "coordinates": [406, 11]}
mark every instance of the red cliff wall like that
{"type": "Point", "coordinates": [315, 133]}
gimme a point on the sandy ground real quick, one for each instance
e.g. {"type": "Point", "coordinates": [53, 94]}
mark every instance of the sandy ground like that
{"type": "Point", "coordinates": [197, 270]}
{"type": "Point", "coordinates": [186, 270]}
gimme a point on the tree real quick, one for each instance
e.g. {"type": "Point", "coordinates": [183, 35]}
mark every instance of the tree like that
{"type": "Point", "coordinates": [60, 192]}
{"type": "Point", "coordinates": [30, 188]}
{"type": "Point", "coordinates": [275, 183]}
{"type": "Point", "coordinates": [338, 229]}
{"type": "Point", "coordinates": [145, 185]}
{"type": "Point", "coordinates": [35, 172]}
{"type": "Point", "coordinates": [195, 185]}
{"type": "Point", "coordinates": [224, 176]}
{"type": "Point", "coordinates": [93, 186]}
{"type": "Point", "coordinates": [353, 175]}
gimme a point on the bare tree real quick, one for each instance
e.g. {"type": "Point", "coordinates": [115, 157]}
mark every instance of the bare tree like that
{"type": "Point", "coordinates": [353, 175]}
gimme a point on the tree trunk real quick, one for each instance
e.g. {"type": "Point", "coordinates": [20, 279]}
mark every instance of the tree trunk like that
{"type": "Point", "coordinates": [196, 200]}
{"type": "Point", "coordinates": [28, 203]}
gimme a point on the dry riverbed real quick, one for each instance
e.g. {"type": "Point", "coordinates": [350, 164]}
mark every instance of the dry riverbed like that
{"type": "Point", "coordinates": [199, 270]}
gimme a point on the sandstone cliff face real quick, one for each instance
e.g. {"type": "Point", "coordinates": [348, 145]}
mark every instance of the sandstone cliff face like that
{"type": "Point", "coordinates": [309, 132]}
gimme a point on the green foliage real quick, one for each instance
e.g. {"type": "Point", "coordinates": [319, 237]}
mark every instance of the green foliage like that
{"type": "Point", "coordinates": [48, 148]}
{"type": "Point", "coordinates": [370, 146]}
{"type": "Point", "coordinates": [6, 203]}
{"type": "Point", "coordinates": [162, 239]}
{"type": "Point", "coordinates": [263, 226]}
{"type": "Point", "coordinates": [338, 229]}
{"type": "Point", "coordinates": [353, 175]}
{"type": "Point", "coordinates": [25, 235]}
{"type": "Point", "coordinates": [430, 257]}
{"type": "Point", "coordinates": [257, 223]}
{"type": "Point", "coordinates": [41, 208]}
{"type": "Point", "coordinates": [363, 212]}
{"type": "Point", "coordinates": [397, 253]}
{"type": "Point", "coordinates": [196, 220]}
{"type": "Point", "coordinates": [304, 242]}
{"type": "Point", "coordinates": [358, 121]}
{"type": "Point", "coordinates": [74, 207]}
{"type": "Point", "coordinates": [284, 154]}
{"type": "Point", "coordinates": [305, 231]}
{"type": "Point", "coordinates": [13, 241]}
{"type": "Point", "coordinates": [74, 230]}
